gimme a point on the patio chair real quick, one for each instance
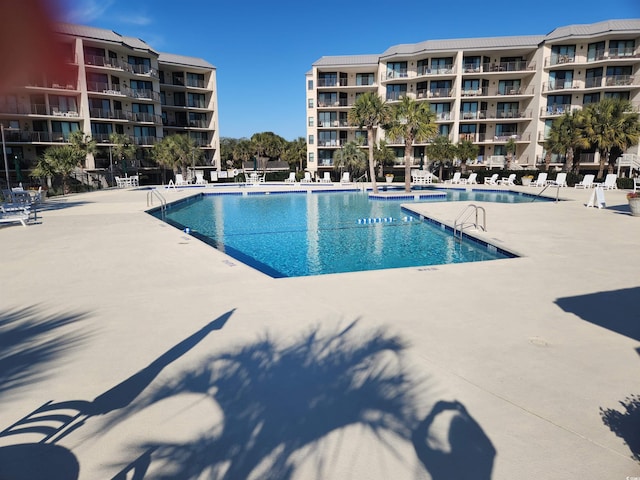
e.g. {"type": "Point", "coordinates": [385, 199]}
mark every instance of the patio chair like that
{"type": "Point", "coordinates": [587, 181]}
{"type": "Point", "coordinates": [326, 178]}
{"type": "Point", "coordinates": [345, 178]}
{"type": "Point", "coordinates": [541, 181]}
{"type": "Point", "coordinates": [200, 180]}
{"type": "Point", "coordinates": [472, 180]}
{"type": "Point", "coordinates": [307, 178]}
{"type": "Point", "coordinates": [492, 180]}
{"type": "Point", "coordinates": [291, 178]}
{"type": "Point", "coordinates": [455, 179]}
{"type": "Point", "coordinates": [636, 184]}
{"type": "Point", "coordinates": [510, 180]}
{"type": "Point", "coordinates": [609, 182]}
{"type": "Point", "coordinates": [560, 180]}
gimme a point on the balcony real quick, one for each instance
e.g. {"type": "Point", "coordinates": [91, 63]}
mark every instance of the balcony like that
{"type": "Point", "coordinates": [619, 80]}
{"type": "Point", "coordinates": [24, 136]}
{"type": "Point", "coordinates": [144, 117]}
{"type": "Point", "coordinates": [110, 114]}
{"type": "Point", "coordinates": [394, 96]}
{"type": "Point", "coordinates": [559, 85]}
{"type": "Point", "coordinates": [117, 64]}
{"type": "Point", "coordinates": [145, 140]}
{"type": "Point", "coordinates": [593, 82]}
{"type": "Point", "coordinates": [473, 92]}
{"type": "Point", "coordinates": [559, 109]}
{"type": "Point", "coordinates": [625, 52]}
{"type": "Point", "coordinates": [402, 73]}
{"type": "Point", "coordinates": [596, 56]}
{"type": "Point", "coordinates": [331, 143]}
{"type": "Point", "coordinates": [197, 83]}
{"type": "Point", "coordinates": [467, 137]}
{"type": "Point", "coordinates": [439, 70]}
{"type": "Point", "coordinates": [514, 66]}
{"type": "Point", "coordinates": [556, 59]}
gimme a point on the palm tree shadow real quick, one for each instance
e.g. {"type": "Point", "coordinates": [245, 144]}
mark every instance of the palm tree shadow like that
{"type": "Point", "coordinates": [626, 424]}
{"type": "Point", "coordinates": [29, 342]}
{"type": "Point", "coordinates": [276, 400]}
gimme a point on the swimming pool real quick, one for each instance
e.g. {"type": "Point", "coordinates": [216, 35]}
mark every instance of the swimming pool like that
{"type": "Point", "coordinates": [302, 234]}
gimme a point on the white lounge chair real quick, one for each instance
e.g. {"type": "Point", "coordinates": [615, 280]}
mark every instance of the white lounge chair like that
{"type": "Point", "coordinates": [326, 178]}
{"type": "Point", "coordinates": [455, 179]}
{"type": "Point", "coordinates": [471, 180]}
{"type": "Point", "coordinates": [609, 182]}
{"type": "Point", "coordinates": [307, 178]}
{"type": "Point", "coordinates": [636, 183]}
{"type": "Point", "coordinates": [180, 180]}
{"type": "Point", "coordinates": [560, 180]}
{"type": "Point", "coordinates": [200, 180]}
{"type": "Point", "coordinates": [11, 213]}
{"type": "Point", "coordinates": [291, 178]}
{"type": "Point", "coordinates": [587, 181]}
{"type": "Point", "coordinates": [510, 180]}
{"type": "Point", "coordinates": [492, 180]}
{"type": "Point", "coordinates": [420, 177]}
{"type": "Point", "coordinates": [345, 178]}
{"type": "Point", "coordinates": [541, 181]}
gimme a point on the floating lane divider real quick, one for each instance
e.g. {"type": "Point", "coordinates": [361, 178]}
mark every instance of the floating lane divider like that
{"type": "Point", "coordinates": [384, 220]}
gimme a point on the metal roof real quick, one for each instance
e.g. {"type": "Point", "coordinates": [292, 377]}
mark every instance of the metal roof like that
{"type": "Point", "coordinates": [530, 41]}
{"type": "Point", "coordinates": [183, 60]}
{"type": "Point", "coordinates": [102, 34]}
{"type": "Point", "coordinates": [591, 29]}
{"type": "Point", "coordinates": [351, 60]}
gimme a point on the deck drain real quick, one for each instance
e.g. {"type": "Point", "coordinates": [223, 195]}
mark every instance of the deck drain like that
{"type": "Point", "coordinates": [538, 342]}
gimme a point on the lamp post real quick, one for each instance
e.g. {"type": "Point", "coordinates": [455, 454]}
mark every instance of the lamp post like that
{"type": "Point", "coordinates": [4, 154]}
{"type": "Point", "coordinates": [110, 160]}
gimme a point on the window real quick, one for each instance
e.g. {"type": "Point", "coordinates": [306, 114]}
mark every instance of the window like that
{"type": "Point", "coordinates": [560, 79]}
{"type": "Point", "coordinates": [441, 88]}
{"type": "Point", "coordinates": [311, 140]}
{"type": "Point", "coordinates": [309, 84]}
{"type": "Point", "coordinates": [327, 119]}
{"type": "Point", "coordinates": [60, 104]}
{"type": "Point", "coordinates": [558, 104]}
{"type": "Point", "coordinates": [102, 129]}
{"type": "Point", "coordinates": [506, 129]}
{"type": "Point", "coordinates": [362, 137]}
{"type": "Point", "coordinates": [397, 70]}
{"type": "Point", "coordinates": [144, 133]}
{"type": "Point", "coordinates": [469, 110]}
{"type": "Point", "coordinates": [198, 120]}
{"type": "Point", "coordinates": [562, 54]}
{"type": "Point", "coordinates": [442, 110]}
{"type": "Point", "coordinates": [507, 109]}
{"type": "Point", "coordinates": [509, 87]}
{"type": "Point", "coordinates": [363, 79]}
{"type": "Point", "coordinates": [179, 99]}
{"type": "Point", "coordinates": [617, 95]}
{"type": "Point", "coordinates": [310, 103]}
{"type": "Point", "coordinates": [471, 64]}
{"type": "Point", "coordinates": [444, 130]}
{"type": "Point", "coordinates": [441, 65]}
{"type": "Point", "coordinates": [311, 121]}
{"type": "Point", "coordinates": [593, 78]}
{"type": "Point", "coordinates": [621, 48]}
{"type": "Point", "coordinates": [312, 158]}
{"type": "Point", "coordinates": [141, 85]}
{"type": "Point", "coordinates": [327, 79]}
{"type": "Point", "coordinates": [327, 99]}
{"type": "Point", "coordinates": [396, 92]}
{"type": "Point", "coordinates": [196, 100]}
{"type": "Point", "coordinates": [471, 87]}
{"type": "Point", "coordinates": [195, 80]}
{"type": "Point", "coordinates": [142, 108]}
{"type": "Point", "coordinates": [63, 129]}
{"type": "Point", "coordinates": [93, 55]}
{"type": "Point", "coordinates": [591, 98]}
{"type": "Point", "coordinates": [595, 51]}
{"type": "Point", "coordinates": [423, 67]}
{"type": "Point", "coordinates": [328, 138]}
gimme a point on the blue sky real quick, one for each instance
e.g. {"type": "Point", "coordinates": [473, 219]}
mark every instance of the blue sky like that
{"type": "Point", "coordinates": [262, 49]}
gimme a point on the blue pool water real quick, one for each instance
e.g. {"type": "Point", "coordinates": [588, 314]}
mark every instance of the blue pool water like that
{"type": "Point", "coordinates": [299, 234]}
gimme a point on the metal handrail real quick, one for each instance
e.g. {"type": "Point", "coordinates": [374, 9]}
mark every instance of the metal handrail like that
{"type": "Point", "coordinates": [163, 201]}
{"type": "Point", "coordinates": [551, 184]}
{"type": "Point", "coordinates": [460, 223]}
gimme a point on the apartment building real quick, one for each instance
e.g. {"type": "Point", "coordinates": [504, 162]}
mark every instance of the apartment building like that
{"type": "Point", "coordinates": [486, 90]}
{"type": "Point", "coordinates": [116, 84]}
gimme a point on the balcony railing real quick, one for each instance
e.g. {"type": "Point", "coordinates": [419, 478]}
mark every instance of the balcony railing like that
{"type": "Point", "coordinates": [194, 82]}
{"type": "Point", "coordinates": [331, 143]}
{"type": "Point", "coordinates": [446, 69]}
{"type": "Point", "coordinates": [619, 80]}
{"type": "Point", "coordinates": [52, 84]}
{"type": "Point", "coordinates": [557, 59]}
{"type": "Point", "coordinates": [393, 96]}
{"type": "Point", "coordinates": [116, 63]}
{"type": "Point", "coordinates": [145, 140]}
{"type": "Point", "coordinates": [513, 66]}
{"type": "Point", "coordinates": [144, 117]}
{"type": "Point", "coordinates": [24, 136]}
{"type": "Point", "coordinates": [593, 82]}
{"type": "Point", "coordinates": [558, 109]}
{"type": "Point", "coordinates": [560, 85]}
{"type": "Point", "coordinates": [622, 52]}
{"type": "Point", "coordinates": [110, 114]}
{"type": "Point", "coordinates": [596, 56]}
{"type": "Point", "coordinates": [402, 73]}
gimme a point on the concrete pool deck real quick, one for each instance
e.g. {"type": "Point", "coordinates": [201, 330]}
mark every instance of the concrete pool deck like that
{"type": "Point", "coordinates": [183, 355]}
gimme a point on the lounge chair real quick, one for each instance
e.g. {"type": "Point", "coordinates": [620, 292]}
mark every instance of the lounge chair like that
{"type": "Point", "coordinates": [180, 180]}
{"type": "Point", "coordinates": [9, 213]}
{"type": "Point", "coordinates": [420, 177]}
{"type": "Point", "coordinates": [560, 180]}
{"type": "Point", "coordinates": [541, 181]}
{"type": "Point", "coordinates": [609, 182]}
{"type": "Point", "coordinates": [291, 178]}
{"type": "Point", "coordinates": [326, 178]}
{"type": "Point", "coordinates": [455, 179]}
{"type": "Point", "coordinates": [492, 180]}
{"type": "Point", "coordinates": [636, 183]}
{"type": "Point", "coordinates": [471, 180]}
{"type": "Point", "coordinates": [345, 178]}
{"type": "Point", "coordinates": [510, 180]}
{"type": "Point", "coordinates": [587, 181]}
{"type": "Point", "coordinates": [307, 178]}
{"type": "Point", "coordinates": [200, 180]}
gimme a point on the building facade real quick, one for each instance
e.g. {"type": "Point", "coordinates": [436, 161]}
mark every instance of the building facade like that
{"type": "Point", "coordinates": [486, 90]}
{"type": "Point", "coordinates": [116, 84]}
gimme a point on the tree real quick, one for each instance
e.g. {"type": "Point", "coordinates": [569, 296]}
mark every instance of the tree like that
{"type": "Point", "coordinates": [242, 151]}
{"type": "Point", "coordinates": [83, 144]}
{"type": "Point", "coordinates": [609, 124]}
{"type": "Point", "coordinates": [369, 111]}
{"type": "Point", "coordinates": [414, 122]}
{"type": "Point", "coordinates": [177, 152]}
{"type": "Point", "coordinates": [123, 149]}
{"type": "Point", "coordinates": [295, 153]}
{"type": "Point", "coordinates": [267, 145]}
{"type": "Point", "coordinates": [510, 147]}
{"type": "Point", "coordinates": [351, 157]}
{"type": "Point", "coordinates": [466, 150]}
{"type": "Point", "coordinates": [441, 150]}
{"type": "Point", "coordinates": [59, 160]}
{"type": "Point", "coordinates": [383, 155]}
{"type": "Point", "coordinates": [565, 137]}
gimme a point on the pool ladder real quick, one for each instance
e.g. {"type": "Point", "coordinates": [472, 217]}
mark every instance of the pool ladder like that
{"type": "Point", "coordinates": [462, 221]}
{"type": "Point", "coordinates": [163, 202]}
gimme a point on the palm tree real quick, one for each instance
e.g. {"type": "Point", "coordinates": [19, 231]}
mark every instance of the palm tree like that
{"type": "Point", "coordinates": [177, 152]}
{"type": "Point", "coordinates": [351, 157]}
{"type": "Point", "coordinates": [610, 124]}
{"type": "Point", "coordinates": [60, 160]}
{"type": "Point", "coordinates": [415, 122]}
{"type": "Point", "coordinates": [466, 150]}
{"type": "Point", "coordinates": [123, 148]}
{"type": "Point", "coordinates": [242, 151]}
{"type": "Point", "coordinates": [369, 111]}
{"type": "Point", "coordinates": [83, 144]}
{"type": "Point", "coordinates": [441, 150]}
{"type": "Point", "coordinates": [510, 147]}
{"type": "Point", "coordinates": [295, 153]}
{"type": "Point", "coordinates": [383, 155]}
{"type": "Point", "coordinates": [565, 137]}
